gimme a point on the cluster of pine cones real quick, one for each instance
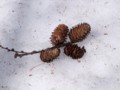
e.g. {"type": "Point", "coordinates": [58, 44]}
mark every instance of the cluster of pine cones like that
{"type": "Point", "coordinates": [58, 37]}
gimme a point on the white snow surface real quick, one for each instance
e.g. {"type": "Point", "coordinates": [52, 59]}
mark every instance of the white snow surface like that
{"type": "Point", "coordinates": [27, 25]}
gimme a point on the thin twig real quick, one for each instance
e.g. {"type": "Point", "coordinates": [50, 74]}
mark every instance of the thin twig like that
{"type": "Point", "coordinates": [23, 53]}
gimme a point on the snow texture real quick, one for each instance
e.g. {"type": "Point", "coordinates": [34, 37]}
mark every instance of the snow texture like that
{"type": "Point", "coordinates": [27, 25]}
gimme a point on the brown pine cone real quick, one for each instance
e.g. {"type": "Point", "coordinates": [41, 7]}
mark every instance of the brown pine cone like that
{"type": "Point", "coordinates": [48, 55]}
{"type": "Point", "coordinates": [79, 32]}
{"type": "Point", "coordinates": [74, 51]}
{"type": "Point", "coordinates": [59, 34]}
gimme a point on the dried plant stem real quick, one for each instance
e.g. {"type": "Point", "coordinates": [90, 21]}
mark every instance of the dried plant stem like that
{"type": "Point", "coordinates": [23, 53]}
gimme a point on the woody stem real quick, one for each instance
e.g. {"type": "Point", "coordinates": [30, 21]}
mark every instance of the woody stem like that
{"type": "Point", "coordinates": [23, 53]}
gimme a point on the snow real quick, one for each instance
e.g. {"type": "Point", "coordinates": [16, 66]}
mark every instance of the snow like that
{"type": "Point", "coordinates": [27, 25]}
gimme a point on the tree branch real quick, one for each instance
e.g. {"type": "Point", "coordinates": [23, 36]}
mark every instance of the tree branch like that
{"type": "Point", "coordinates": [23, 53]}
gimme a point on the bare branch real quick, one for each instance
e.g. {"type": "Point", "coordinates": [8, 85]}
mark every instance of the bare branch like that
{"type": "Point", "coordinates": [23, 53]}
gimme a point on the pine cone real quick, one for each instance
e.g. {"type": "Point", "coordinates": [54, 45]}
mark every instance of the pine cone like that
{"type": "Point", "coordinates": [79, 32]}
{"type": "Point", "coordinates": [74, 51]}
{"type": "Point", "coordinates": [48, 55]}
{"type": "Point", "coordinates": [59, 34]}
